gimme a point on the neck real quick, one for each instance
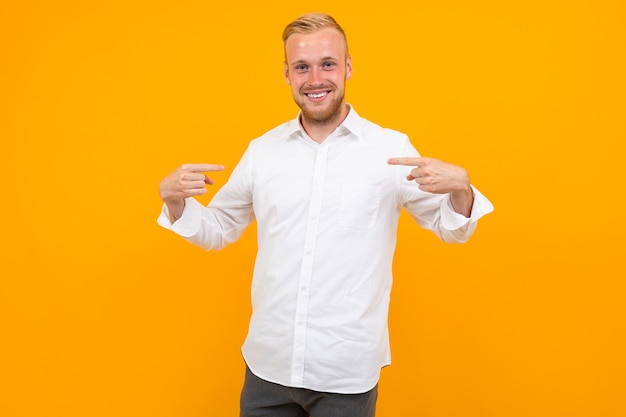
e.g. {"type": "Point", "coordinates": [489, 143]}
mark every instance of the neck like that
{"type": "Point", "coordinates": [319, 130]}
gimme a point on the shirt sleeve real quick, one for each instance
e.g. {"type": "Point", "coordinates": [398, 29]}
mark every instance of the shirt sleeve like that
{"type": "Point", "coordinates": [222, 222]}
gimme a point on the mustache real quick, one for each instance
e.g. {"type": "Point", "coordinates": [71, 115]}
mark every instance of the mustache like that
{"type": "Point", "coordinates": [313, 88]}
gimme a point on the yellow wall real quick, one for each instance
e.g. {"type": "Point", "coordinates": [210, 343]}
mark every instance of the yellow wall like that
{"type": "Point", "coordinates": [103, 313]}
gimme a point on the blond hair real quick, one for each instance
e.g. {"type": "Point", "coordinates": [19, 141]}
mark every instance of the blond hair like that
{"type": "Point", "coordinates": [312, 22]}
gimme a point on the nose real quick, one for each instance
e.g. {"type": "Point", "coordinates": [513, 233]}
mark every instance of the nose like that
{"type": "Point", "coordinates": [316, 76]}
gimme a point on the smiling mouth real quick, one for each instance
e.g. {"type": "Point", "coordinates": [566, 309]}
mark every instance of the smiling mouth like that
{"type": "Point", "coordinates": [317, 95]}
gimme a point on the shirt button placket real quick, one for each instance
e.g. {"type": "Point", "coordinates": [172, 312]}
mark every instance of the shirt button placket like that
{"type": "Point", "coordinates": [306, 271]}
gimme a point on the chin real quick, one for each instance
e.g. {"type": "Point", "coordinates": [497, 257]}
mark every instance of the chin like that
{"type": "Point", "coordinates": [321, 115]}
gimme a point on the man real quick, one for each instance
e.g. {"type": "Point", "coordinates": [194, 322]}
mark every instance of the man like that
{"type": "Point", "coordinates": [326, 190]}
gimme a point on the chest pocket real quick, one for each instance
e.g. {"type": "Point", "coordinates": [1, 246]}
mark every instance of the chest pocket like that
{"type": "Point", "coordinates": [359, 205]}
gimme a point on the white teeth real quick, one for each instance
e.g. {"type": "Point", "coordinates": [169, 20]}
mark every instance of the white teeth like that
{"type": "Point", "coordinates": [317, 95]}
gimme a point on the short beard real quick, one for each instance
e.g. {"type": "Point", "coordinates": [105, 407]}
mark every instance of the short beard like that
{"type": "Point", "coordinates": [323, 117]}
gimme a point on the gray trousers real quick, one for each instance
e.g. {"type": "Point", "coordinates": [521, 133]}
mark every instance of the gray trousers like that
{"type": "Point", "coordinates": [260, 398]}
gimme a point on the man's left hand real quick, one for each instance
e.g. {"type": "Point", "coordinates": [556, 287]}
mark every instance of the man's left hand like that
{"type": "Point", "coordinates": [438, 177]}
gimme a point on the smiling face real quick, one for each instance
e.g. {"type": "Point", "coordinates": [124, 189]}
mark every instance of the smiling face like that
{"type": "Point", "coordinates": [316, 68]}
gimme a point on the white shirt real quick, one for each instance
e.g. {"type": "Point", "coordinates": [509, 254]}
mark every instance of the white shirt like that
{"type": "Point", "coordinates": [327, 216]}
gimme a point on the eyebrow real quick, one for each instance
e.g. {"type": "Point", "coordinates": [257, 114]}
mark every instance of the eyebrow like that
{"type": "Point", "coordinates": [326, 58]}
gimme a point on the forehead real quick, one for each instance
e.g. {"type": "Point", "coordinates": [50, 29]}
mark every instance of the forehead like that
{"type": "Point", "coordinates": [321, 44]}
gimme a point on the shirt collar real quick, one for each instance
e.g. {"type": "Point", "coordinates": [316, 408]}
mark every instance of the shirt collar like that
{"type": "Point", "coordinates": [351, 124]}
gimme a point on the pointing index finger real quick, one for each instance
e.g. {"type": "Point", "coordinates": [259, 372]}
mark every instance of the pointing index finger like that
{"type": "Point", "coordinates": [408, 161]}
{"type": "Point", "coordinates": [202, 167]}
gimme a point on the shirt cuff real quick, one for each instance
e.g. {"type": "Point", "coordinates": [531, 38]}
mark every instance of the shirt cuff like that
{"type": "Point", "coordinates": [451, 220]}
{"type": "Point", "coordinates": [188, 224]}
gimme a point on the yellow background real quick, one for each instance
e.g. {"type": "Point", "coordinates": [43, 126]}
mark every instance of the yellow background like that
{"type": "Point", "coordinates": [103, 313]}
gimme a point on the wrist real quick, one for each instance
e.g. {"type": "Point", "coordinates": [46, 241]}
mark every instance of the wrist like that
{"type": "Point", "coordinates": [462, 201]}
{"type": "Point", "coordinates": [175, 209]}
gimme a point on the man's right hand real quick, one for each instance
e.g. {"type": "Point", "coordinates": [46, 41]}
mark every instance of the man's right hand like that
{"type": "Point", "coordinates": [187, 181]}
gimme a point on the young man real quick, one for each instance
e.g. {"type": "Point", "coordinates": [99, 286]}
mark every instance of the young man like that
{"type": "Point", "coordinates": [326, 190]}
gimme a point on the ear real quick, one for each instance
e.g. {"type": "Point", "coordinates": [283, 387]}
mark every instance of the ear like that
{"type": "Point", "coordinates": [287, 74]}
{"type": "Point", "coordinates": [348, 67]}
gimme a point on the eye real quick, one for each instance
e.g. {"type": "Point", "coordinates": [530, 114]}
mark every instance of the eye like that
{"type": "Point", "coordinates": [301, 67]}
{"type": "Point", "coordinates": [328, 65]}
